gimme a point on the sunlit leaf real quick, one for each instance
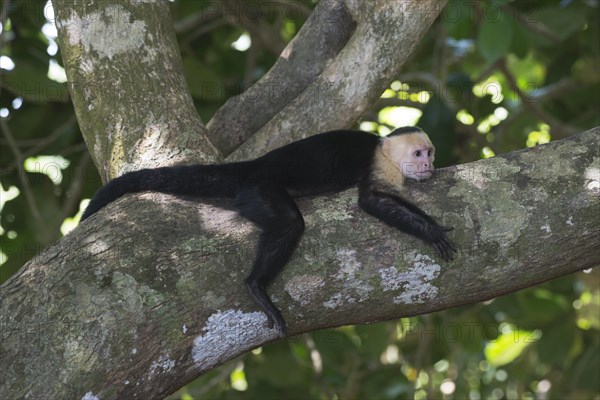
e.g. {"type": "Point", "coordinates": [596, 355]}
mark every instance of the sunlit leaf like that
{"type": "Point", "coordinates": [508, 346]}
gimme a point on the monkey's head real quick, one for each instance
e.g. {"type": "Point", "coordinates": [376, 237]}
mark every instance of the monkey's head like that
{"type": "Point", "coordinates": [411, 151]}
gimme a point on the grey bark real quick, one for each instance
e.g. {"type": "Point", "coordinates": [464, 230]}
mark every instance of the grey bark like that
{"type": "Point", "coordinates": [126, 80]}
{"type": "Point", "coordinates": [147, 294]}
{"type": "Point", "coordinates": [322, 36]}
{"type": "Point", "coordinates": [386, 34]}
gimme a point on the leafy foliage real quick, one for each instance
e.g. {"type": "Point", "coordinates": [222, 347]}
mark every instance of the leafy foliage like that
{"type": "Point", "coordinates": [490, 77]}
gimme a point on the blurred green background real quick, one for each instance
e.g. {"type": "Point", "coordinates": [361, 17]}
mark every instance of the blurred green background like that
{"type": "Point", "coordinates": [489, 77]}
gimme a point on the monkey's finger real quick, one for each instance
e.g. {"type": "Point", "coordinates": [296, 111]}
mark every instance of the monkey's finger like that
{"type": "Point", "coordinates": [449, 248]}
{"type": "Point", "coordinates": [450, 244]}
{"type": "Point", "coordinates": [447, 242]}
{"type": "Point", "coordinates": [441, 249]}
{"type": "Point", "coordinates": [447, 228]}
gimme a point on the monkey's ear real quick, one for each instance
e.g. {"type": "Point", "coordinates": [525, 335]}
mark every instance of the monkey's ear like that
{"type": "Point", "coordinates": [386, 147]}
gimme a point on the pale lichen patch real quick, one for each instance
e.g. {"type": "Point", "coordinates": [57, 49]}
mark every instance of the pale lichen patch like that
{"type": "Point", "coordinates": [163, 364]}
{"type": "Point", "coordinates": [502, 217]}
{"type": "Point", "coordinates": [509, 217]}
{"type": "Point", "coordinates": [592, 179]}
{"type": "Point", "coordinates": [481, 176]}
{"type": "Point", "coordinates": [304, 288]}
{"type": "Point", "coordinates": [335, 301]}
{"type": "Point", "coordinates": [570, 221]}
{"type": "Point", "coordinates": [354, 288]}
{"type": "Point", "coordinates": [223, 221]}
{"type": "Point", "coordinates": [109, 32]}
{"type": "Point", "coordinates": [546, 228]}
{"type": "Point", "coordinates": [90, 396]}
{"type": "Point", "coordinates": [415, 285]}
{"type": "Point", "coordinates": [229, 333]}
{"type": "Point", "coordinates": [212, 300]}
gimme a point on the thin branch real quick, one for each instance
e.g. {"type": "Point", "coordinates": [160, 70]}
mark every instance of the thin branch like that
{"type": "Point", "coordinates": [24, 178]}
{"type": "Point", "coordinates": [532, 25]}
{"type": "Point", "coordinates": [487, 71]}
{"type": "Point", "coordinates": [55, 134]}
{"type": "Point", "coordinates": [204, 29]}
{"type": "Point", "coordinates": [554, 90]}
{"type": "Point", "coordinates": [3, 18]}
{"type": "Point", "coordinates": [74, 192]}
{"type": "Point", "coordinates": [557, 126]}
{"type": "Point", "coordinates": [39, 144]}
{"type": "Point", "coordinates": [202, 17]}
{"type": "Point", "coordinates": [441, 53]}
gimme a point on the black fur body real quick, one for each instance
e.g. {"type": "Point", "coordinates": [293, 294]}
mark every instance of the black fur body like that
{"type": "Point", "coordinates": [263, 190]}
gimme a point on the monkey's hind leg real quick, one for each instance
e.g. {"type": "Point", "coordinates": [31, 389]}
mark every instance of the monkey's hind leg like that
{"type": "Point", "coordinates": [275, 212]}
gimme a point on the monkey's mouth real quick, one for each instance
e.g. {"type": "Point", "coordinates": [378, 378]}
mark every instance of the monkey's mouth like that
{"type": "Point", "coordinates": [428, 172]}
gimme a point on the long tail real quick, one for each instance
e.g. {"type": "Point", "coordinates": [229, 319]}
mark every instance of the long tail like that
{"type": "Point", "coordinates": [197, 180]}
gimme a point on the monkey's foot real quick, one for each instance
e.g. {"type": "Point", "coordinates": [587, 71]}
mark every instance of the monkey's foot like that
{"type": "Point", "coordinates": [276, 322]}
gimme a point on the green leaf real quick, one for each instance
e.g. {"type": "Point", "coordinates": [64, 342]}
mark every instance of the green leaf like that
{"type": "Point", "coordinates": [374, 339]}
{"type": "Point", "coordinates": [273, 368]}
{"type": "Point", "coordinates": [204, 84]}
{"type": "Point", "coordinates": [520, 42]}
{"type": "Point", "coordinates": [495, 37]}
{"type": "Point", "coordinates": [562, 21]}
{"type": "Point", "coordinates": [557, 342]}
{"type": "Point", "coordinates": [456, 19]}
{"type": "Point", "coordinates": [509, 346]}
{"type": "Point", "coordinates": [589, 365]}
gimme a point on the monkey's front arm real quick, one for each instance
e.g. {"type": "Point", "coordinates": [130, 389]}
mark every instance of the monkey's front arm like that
{"type": "Point", "coordinates": [405, 216]}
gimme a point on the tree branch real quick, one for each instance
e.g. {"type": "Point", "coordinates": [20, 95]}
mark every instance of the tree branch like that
{"type": "Point", "coordinates": [146, 295]}
{"type": "Point", "coordinates": [385, 36]}
{"type": "Point", "coordinates": [321, 37]}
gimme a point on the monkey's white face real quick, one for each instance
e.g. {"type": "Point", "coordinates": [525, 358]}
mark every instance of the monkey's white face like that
{"type": "Point", "coordinates": [412, 153]}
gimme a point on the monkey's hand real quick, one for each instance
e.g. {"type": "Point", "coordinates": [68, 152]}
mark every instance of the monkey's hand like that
{"type": "Point", "coordinates": [401, 214]}
{"type": "Point", "coordinates": [440, 241]}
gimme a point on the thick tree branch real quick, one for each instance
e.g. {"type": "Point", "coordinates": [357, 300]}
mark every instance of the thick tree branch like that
{"type": "Point", "coordinates": [146, 295]}
{"type": "Point", "coordinates": [322, 36]}
{"type": "Point", "coordinates": [385, 36]}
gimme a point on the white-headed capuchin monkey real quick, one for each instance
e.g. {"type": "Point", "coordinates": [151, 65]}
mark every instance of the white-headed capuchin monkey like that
{"type": "Point", "coordinates": [263, 191]}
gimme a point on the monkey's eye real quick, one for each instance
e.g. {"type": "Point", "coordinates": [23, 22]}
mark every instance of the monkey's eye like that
{"type": "Point", "coordinates": [429, 153]}
{"type": "Point", "coordinates": [418, 153]}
